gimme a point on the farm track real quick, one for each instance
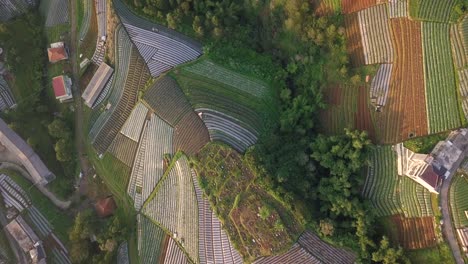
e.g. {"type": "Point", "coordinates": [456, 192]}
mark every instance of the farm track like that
{"type": "Point", "coordinates": [405, 112]}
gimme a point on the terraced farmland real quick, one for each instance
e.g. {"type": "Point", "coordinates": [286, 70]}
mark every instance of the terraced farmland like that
{"type": "Point", "coordinates": [459, 201]}
{"type": "Point", "coordinates": [151, 241]}
{"type": "Point", "coordinates": [376, 35]}
{"type": "Point", "coordinates": [55, 12]}
{"type": "Point", "coordinates": [351, 6]}
{"type": "Point", "coordinates": [87, 13]}
{"type": "Point", "coordinates": [354, 40]}
{"type": "Point", "coordinates": [458, 51]}
{"type": "Point", "coordinates": [239, 182]}
{"type": "Point", "coordinates": [398, 8]}
{"type": "Point", "coordinates": [6, 97]}
{"type": "Point", "coordinates": [463, 89]}
{"type": "Point", "coordinates": [341, 110]}
{"type": "Point", "coordinates": [326, 7]}
{"type": "Point", "coordinates": [190, 134]}
{"type": "Point", "coordinates": [392, 194]}
{"type": "Point", "coordinates": [431, 10]}
{"type": "Point", "coordinates": [173, 205]}
{"type": "Point", "coordinates": [415, 233]}
{"type": "Point", "coordinates": [229, 107]}
{"type": "Point", "coordinates": [124, 149]}
{"type": "Point", "coordinates": [167, 100]}
{"type": "Point", "coordinates": [463, 28]}
{"type": "Point", "coordinates": [439, 75]}
{"type": "Point", "coordinates": [214, 244]}
{"type": "Point", "coordinates": [137, 77]}
{"type": "Point", "coordinates": [363, 120]}
{"type": "Point", "coordinates": [13, 8]}
{"type": "Point", "coordinates": [123, 47]}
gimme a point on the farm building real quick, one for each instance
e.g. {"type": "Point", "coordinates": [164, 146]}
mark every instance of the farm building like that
{"type": "Point", "coordinates": [418, 167]}
{"type": "Point", "coordinates": [57, 52]}
{"type": "Point", "coordinates": [27, 239]}
{"type": "Point", "coordinates": [429, 170]}
{"type": "Point", "coordinates": [29, 159]}
{"type": "Point", "coordinates": [105, 207]}
{"type": "Point", "coordinates": [62, 88]}
{"type": "Point", "coordinates": [97, 83]}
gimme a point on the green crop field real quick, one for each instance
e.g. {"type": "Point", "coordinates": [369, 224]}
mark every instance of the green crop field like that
{"type": "Point", "coordinates": [336, 117]}
{"type": "Point", "coordinates": [432, 10]}
{"type": "Point", "coordinates": [439, 74]}
{"type": "Point", "coordinates": [459, 200]}
{"type": "Point", "coordinates": [392, 194]}
{"type": "Point", "coordinates": [208, 85]}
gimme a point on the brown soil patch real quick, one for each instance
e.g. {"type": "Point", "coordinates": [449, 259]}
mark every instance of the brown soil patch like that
{"type": "Point", "coordinates": [405, 113]}
{"type": "Point", "coordinates": [363, 117]}
{"type": "Point", "coordinates": [415, 233]}
{"type": "Point", "coordinates": [353, 40]}
{"type": "Point", "coordinates": [351, 6]}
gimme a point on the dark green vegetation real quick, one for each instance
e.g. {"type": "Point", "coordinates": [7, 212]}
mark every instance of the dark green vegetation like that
{"type": "Point", "coordinates": [109, 233]}
{"type": "Point", "coordinates": [459, 200]}
{"type": "Point", "coordinates": [25, 44]}
{"type": "Point", "coordinates": [425, 144]}
{"type": "Point", "coordinates": [57, 218]}
{"type": "Point", "coordinates": [247, 211]}
{"type": "Point", "coordinates": [299, 55]}
{"type": "Point", "coordinates": [440, 254]}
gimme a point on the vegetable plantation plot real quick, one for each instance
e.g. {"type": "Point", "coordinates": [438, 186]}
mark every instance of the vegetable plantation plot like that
{"type": "Point", "coordinates": [392, 194]}
{"type": "Point", "coordinates": [351, 6]}
{"type": "Point", "coordinates": [152, 241]}
{"type": "Point", "coordinates": [326, 7]}
{"type": "Point", "coordinates": [375, 31]}
{"type": "Point", "coordinates": [416, 232]}
{"type": "Point", "coordinates": [441, 93]}
{"type": "Point", "coordinates": [55, 12]}
{"type": "Point", "coordinates": [363, 120]}
{"type": "Point", "coordinates": [459, 200]}
{"type": "Point", "coordinates": [463, 28]}
{"type": "Point", "coordinates": [174, 205]}
{"type": "Point", "coordinates": [431, 10]}
{"type": "Point", "coordinates": [190, 134]}
{"type": "Point", "coordinates": [404, 114]}
{"type": "Point", "coordinates": [341, 110]}
{"type": "Point", "coordinates": [398, 8]}
{"type": "Point", "coordinates": [87, 13]}
{"type": "Point", "coordinates": [353, 40]}
{"type": "Point", "coordinates": [458, 51]}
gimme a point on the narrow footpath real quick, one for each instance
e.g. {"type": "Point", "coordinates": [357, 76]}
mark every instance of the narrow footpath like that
{"type": "Point", "coordinates": [80, 138]}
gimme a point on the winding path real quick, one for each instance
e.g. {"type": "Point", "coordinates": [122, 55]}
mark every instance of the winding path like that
{"type": "Point", "coordinates": [57, 202]}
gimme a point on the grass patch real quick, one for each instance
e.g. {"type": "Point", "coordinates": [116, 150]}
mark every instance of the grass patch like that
{"type": "Point", "coordinates": [425, 144]}
{"type": "Point", "coordinates": [439, 254]}
{"type": "Point", "coordinates": [57, 33]}
{"type": "Point", "coordinates": [5, 249]}
{"type": "Point", "coordinates": [57, 218]}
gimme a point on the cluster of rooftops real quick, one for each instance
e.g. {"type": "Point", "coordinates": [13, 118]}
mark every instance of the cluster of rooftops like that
{"type": "Point", "coordinates": [430, 170]}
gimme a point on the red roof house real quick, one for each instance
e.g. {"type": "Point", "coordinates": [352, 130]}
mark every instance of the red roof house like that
{"type": "Point", "coordinates": [62, 88]}
{"type": "Point", "coordinates": [105, 207]}
{"type": "Point", "coordinates": [57, 52]}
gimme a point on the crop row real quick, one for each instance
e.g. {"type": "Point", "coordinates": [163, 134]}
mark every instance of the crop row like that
{"type": "Point", "coordinates": [55, 12]}
{"type": "Point", "coordinates": [439, 76]}
{"type": "Point", "coordinates": [205, 94]}
{"type": "Point", "coordinates": [211, 234]}
{"type": "Point", "coordinates": [463, 28]}
{"type": "Point", "coordinates": [335, 118]}
{"type": "Point", "coordinates": [190, 134]}
{"type": "Point", "coordinates": [87, 12]}
{"type": "Point", "coordinates": [216, 72]}
{"type": "Point", "coordinates": [151, 240]}
{"type": "Point", "coordinates": [432, 10]}
{"type": "Point", "coordinates": [375, 33]}
{"type": "Point", "coordinates": [167, 99]}
{"type": "Point", "coordinates": [398, 8]}
{"type": "Point", "coordinates": [350, 6]}
{"type": "Point", "coordinates": [135, 185]}
{"type": "Point", "coordinates": [123, 148]}
{"type": "Point", "coordinates": [459, 201]}
{"type": "Point", "coordinates": [380, 84]}
{"type": "Point", "coordinates": [6, 97]}
{"type": "Point", "coordinates": [415, 232]}
{"type": "Point", "coordinates": [137, 77]}
{"type": "Point", "coordinates": [458, 50]}
{"type": "Point", "coordinates": [354, 40]}
{"type": "Point", "coordinates": [123, 47]}
{"type": "Point", "coordinates": [174, 206]}
{"type": "Point", "coordinates": [134, 124]}
{"type": "Point", "coordinates": [324, 251]}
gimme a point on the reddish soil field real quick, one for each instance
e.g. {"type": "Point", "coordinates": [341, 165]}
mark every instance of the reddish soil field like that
{"type": "Point", "coordinates": [363, 119]}
{"type": "Point", "coordinates": [321, 8]}
{"type": "Point", "coordinates": [415, 233]}
{"type": "Point", "coordinates": [351, 6]}
{"type": "Point", "coordinates": [405, 113]}
{"type": "Point", "coordinates": [353, 40]}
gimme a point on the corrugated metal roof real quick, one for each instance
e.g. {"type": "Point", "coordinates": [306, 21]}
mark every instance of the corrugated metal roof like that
{"type": "Point", "coordinates": [96, 84]}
